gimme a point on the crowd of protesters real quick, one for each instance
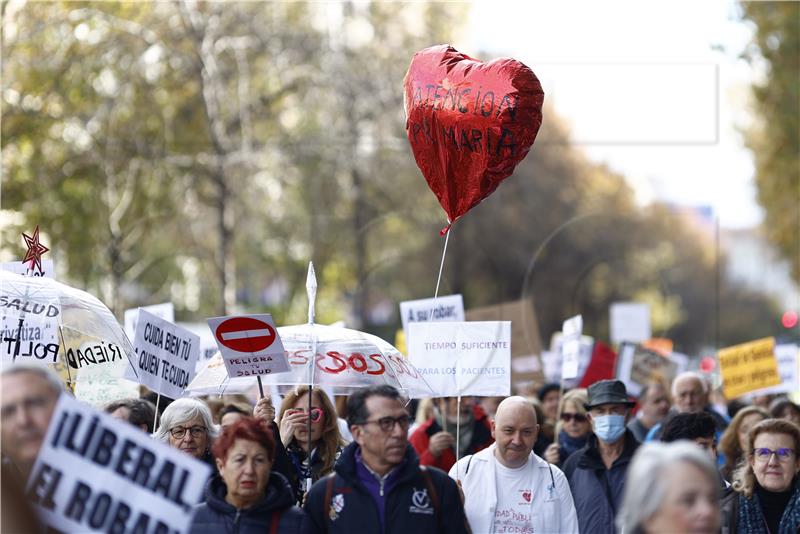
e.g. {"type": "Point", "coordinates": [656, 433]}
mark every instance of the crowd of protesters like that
{"type": "Point", "coordinates": [588, 460]}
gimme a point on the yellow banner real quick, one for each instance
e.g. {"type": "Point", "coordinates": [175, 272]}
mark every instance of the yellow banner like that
{"type": "Point", "coordinates": [748, 367]}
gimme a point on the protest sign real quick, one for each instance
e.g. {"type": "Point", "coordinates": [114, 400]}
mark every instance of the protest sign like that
{"type": "Point", "coordinates": [250, 344]}
{"type": "Point", "coordinates": [26, 268]}
{"type": "Point", "coordinates": [98, 385]}
{"type": "Point", "coordinates": [554, 365]}
{"type": "Point", "coordinates": [29, 327]}
{"type": "Point", "coordinates": [164, 311]}
{"type": "Point", "coordinates": [83, 350]}
{"type": "Point", "coordinates": [638, 366]}
{"type": "Point", "coordinates": [525, 338]}
{"type": "Point", "coordinates": [166, 355]}
{"type": "Point", "coordinates": [748, 367]}
{"type": "Point", "coordinates": [447, 308]}
{"type": "Point", "coordinates": [787, 356]}
{"type": "Point", "coordinates": [629, 321]}
{"type": "Point", "coordinates": [571, 347]}
{"type": "Point", "coordinates": [95, 473]}
{"type": "Point", "coordinates": [466, 358]}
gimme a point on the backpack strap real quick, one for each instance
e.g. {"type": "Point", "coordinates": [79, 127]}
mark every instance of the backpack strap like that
{"type": "Point", "coordinates": [276, 517]}
{"type": "Point", "coordinates": [326, 504]}
{"type": "Point", "coordinates": [426, 476]}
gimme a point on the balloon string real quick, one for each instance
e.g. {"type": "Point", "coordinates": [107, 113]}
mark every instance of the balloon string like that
{"type": "Point", "coordinates": [441, 267]}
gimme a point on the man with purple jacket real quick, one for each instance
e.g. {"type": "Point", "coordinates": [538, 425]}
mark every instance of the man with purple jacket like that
{"type": "Point", "coordinates": [378, 484]}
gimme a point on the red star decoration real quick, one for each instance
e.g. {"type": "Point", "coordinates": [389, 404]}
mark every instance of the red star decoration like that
{"type": "Point", "coordinates": [35, 249]}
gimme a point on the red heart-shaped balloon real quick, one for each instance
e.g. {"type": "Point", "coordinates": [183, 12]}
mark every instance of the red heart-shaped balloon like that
{"type": "Point", "coordinates": [469, 123]}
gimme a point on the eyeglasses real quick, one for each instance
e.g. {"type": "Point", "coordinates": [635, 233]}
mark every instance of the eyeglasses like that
{"type": "Point", "coordinates": [178, 432]}
{"type": "Point", "coordinates": [316, 413]}
{"type": "Point", "coordinates": [783, 454]}
{"type": "Point", "coordinates": [579, 417]}
{"type": "Point", "coordinates": [387, 423]}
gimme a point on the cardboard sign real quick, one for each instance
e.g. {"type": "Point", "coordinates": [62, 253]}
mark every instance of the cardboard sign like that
{"type": "Point", "coordinates": [24, 269]}
{"type": "Point", "coordinates": [467, 358]}
{"type": "Point", "coordinates": [164, 311]}
{"type": "Point", "coordinates": [571, 347]}
{"type": "Point", "coordinates": [525, 338]}
{"type": "Point", "coordinates": [787, 356]}
{"type": "Point", "coordinates": [629, 321]}
{"type": "Point", "coordinates": [448, 308]}
{"type": "Point", "coordinates": [95, 473]}
{"type": "Point", "coordinates": [166, 355]}
{"type": "Point", "coordinates": [250, 344]}
{"type": "Point", "coordinates": [748, 367]}
{"type": "Point", "coordinates": [638, 366]}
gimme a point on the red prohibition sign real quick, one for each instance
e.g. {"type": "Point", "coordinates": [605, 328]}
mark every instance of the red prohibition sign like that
{"type": "Point", "coordinates": [245, 334]}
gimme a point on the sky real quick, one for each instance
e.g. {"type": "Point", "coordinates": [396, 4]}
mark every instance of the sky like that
{"type": "Point", "coordinates": [655, 89]}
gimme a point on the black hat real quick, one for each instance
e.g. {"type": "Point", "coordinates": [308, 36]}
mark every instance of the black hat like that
{"type": "Point", "coordinates": [608, 392]}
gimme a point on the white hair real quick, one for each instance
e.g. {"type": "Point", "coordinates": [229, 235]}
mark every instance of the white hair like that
{"type": "Point", "coordinates": [644, 482]}
{"type": "Point", "coordinates": [689, 374]}
{"type": "Point", "coordinates": [47, 374]}
{"type": "Point", "coordinates": [183, 410]}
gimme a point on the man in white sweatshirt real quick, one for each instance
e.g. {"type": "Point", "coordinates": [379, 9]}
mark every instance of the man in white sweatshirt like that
{"type": "Point", "coordinates": [507, 488]}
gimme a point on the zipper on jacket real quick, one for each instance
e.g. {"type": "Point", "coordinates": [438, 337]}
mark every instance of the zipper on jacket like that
{"type": "Point", "coordinates": [382, 481]}
{"type": "Point", "coordinates": [236, 522]}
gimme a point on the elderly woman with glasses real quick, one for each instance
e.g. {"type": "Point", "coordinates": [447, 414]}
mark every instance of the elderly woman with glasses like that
{"type": "Point", "coordinates": [766, 497]}
{"type": "Point", "coordinates": [246, 495]}
{"type": "Point", "coordinates": [186, 425]}
{"type": "Point", "coordinates": [572, 429]}
{"type": "Point", "coordinates": [326, 442]}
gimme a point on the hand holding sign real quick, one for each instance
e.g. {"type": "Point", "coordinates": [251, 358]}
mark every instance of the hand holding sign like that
{"type": "Point", "coordinates": [469, 123]}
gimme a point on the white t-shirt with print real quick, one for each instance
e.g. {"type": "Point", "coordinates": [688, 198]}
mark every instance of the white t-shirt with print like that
{"type": "Point", "coordinates": [514, 495]}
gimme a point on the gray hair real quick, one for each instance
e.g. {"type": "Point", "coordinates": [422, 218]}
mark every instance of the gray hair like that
{"type": "Point", "coordinates": [690, 374]}
{"type": "Point", "coordinates": [644, 483]}
{"type": "Point", "coordinates": [47, 374]}
{"type": "Point", "coordinates": [181, 411]}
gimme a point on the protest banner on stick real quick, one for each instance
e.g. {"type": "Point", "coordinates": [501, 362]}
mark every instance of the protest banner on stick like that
{"type": "Point", "coordinates": [166, 355]}
{"type": "Point", "coordinates": [249, 344]}
{"type": "Point", "coordinates": [95, 473]}
{"type": "Point", "coordinates": [466, 358]}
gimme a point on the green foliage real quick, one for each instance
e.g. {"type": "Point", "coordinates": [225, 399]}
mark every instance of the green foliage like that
{"type": "Point", "coordinates": [775, 137]}
{"type": "Point", "coordinates": [204, 153]}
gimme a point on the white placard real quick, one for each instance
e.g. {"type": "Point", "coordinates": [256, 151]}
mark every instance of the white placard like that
{"type": "Point", "coordinates": [95, 473]}
{"type": "Point", "coordinates": [571, 347]}
{"type": "Point", "coordinates": [29, 328]}
{"type": "Point", "coordinates": [629, 321]}
{"type": "Point", "coordinates": [447, 308]}
{"type": "Point", "coordinates": [250, 344]}
{"type": "Point", "coordinates": [787, 356]}
{"type": "Point", "coordinates": [24, 269]}
{"type": "Point", "coordinates": [463, 358]}
{"type": "Point", "coordinates": [164, 311]}
{"type": "Point", "coordinates": [166, 355]}
{"type": "Point", "coordinates": [208, 345]}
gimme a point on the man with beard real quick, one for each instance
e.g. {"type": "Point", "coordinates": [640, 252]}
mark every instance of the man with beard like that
{"type": "Point", "coordinates": [437, 447]}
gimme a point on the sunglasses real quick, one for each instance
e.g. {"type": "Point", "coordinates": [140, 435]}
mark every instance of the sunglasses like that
{"type": "Point", "coordinates": [579, 417]}
{"type": "Point", "coordinates": [316, 413]}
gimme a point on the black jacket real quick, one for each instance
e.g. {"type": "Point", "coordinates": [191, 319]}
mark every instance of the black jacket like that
{"type": "Point", "coordinates": [217, 516]}
{"type": "Point", "coordinates": [409, 510]}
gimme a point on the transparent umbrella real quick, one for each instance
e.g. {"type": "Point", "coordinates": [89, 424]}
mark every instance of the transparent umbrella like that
{"type": "Point", "coordinates": [345, 361]}
{"type": "Point", "coordinates": [47, 322]}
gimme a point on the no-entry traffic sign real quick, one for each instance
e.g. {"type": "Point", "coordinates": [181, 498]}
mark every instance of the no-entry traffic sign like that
{"type": "Point", "coordinates": [245, 334]}
{"type": "Point", "coordinates": [249, 344]}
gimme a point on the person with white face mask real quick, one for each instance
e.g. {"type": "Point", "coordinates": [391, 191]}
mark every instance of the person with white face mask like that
{"type": "Point", "coordinates": [596, 473]}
